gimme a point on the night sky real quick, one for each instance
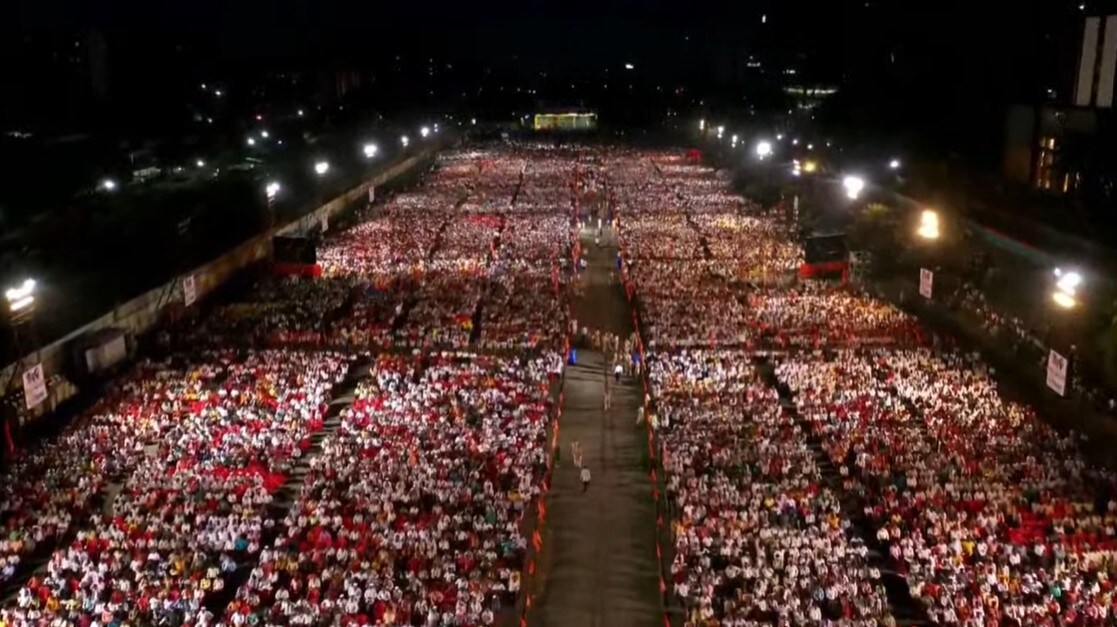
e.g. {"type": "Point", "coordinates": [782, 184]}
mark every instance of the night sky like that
{"type": "Point", "coordinates": [938, 69]}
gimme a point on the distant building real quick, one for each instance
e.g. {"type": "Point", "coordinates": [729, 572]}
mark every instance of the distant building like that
{"type": "Point", "coordinates": [1069, 145]}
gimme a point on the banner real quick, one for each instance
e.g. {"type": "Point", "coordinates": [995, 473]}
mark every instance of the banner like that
{"type": "Point", "coordinates": [34, 386]}
{"type": "Point", "coordinates": [1057, 373]}
{"type": "Point", "coordinates": [371, 194]}
{"type": "Point", "coordinates": [189, 290]}
{"type": "Point", "coordinates": [926, 282]}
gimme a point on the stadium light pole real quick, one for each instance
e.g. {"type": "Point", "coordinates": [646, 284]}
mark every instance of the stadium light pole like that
{"type": "Point", "coordinates": [370, 150]}
{"type": "Point", "coordinates": [853, 185]}
{"type": "Point", "coordinates": [1067, 283]}
{"type": "Point", "coordinates": [321, 167]}
{"type": "Point", "coordinates": [424, 132]}
{"type": "Point", "coordinates": [404, 140]}
{"type": "Point", "coordinates": [21, 301]}
{"type": "Point", "coordinates": [928, 225]}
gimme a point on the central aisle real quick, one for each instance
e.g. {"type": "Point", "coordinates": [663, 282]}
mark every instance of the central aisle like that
{"type": "Point", "coordinates": [598, 566]}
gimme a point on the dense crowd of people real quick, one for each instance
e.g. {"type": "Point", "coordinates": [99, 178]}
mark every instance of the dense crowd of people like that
{"type": "Point", "coordinates": [199, 446]}
{"type": "Point", "coordinates": [157, 500]}
{"type": "Point", "coordinates": [412, 513]}
{"type": "Point", "coordinates": [990, 515]}
{"type": "Point", "coordinates": [149, 505]}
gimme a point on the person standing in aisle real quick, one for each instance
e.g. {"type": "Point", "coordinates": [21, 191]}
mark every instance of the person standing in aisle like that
{"type": "Point", "coordinates": [585, 479]}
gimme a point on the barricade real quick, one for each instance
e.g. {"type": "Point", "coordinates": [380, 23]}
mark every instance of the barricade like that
{"type": "Point", "coordinates": [528, 579]}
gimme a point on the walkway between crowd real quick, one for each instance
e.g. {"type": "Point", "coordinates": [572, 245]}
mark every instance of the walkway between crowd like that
{"type": "Point", "coordinates": [598, 565]}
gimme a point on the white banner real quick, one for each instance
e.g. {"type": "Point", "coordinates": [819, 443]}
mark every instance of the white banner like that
{"type": "Point", "coordinates": [926, 282]}
{"type": "Point", "coordinates": [325, 223]}
{"type": "Point", "coordinates": [1057, 373]}
{"type": "Point", "coordinates": [371, 194]}
{"type": "Point", "coordinates": [34, 386]}
{"type": "Point", "coordinates": [189, 290]}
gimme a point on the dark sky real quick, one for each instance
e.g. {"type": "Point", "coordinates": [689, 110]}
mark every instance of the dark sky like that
{"type": "Point", "coordinates": [951, 65]}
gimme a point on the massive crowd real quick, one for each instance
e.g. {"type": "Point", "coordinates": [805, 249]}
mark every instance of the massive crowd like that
{"type": "Point", "coordinates": [199, 446]}
{"type": "Point", "coordinates": [412, 513]}
{"type": "Point", "coordinates": [161, 498]}
{"type": "Point", "coordinates": [991, 516]}
{"type": "Point", "coordinates": [155, 501]}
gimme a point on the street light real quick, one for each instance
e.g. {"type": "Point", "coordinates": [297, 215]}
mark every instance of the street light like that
{"type": "Point", "coordinates": [1064, 300]}
{"type": "Point", "coordinates": [301, 113]}
{"type": "Point", "coordinates": [200, 163]}
{"type": "Point", "coordinates": [424, 132]}
{"type": "Point", "coordinates": [763, 149]}
{"type": "Point", "coordinates": [264, 134]}
{"type": "Point", "coordinates": [473, 121]}
{"type": "Point", "coordinates": [21, 298]}
{"type": "Point", "coordinates": [928, 225]}
{"type": "Point", "coordinates": [894, 164]}
{"type": "Point", "coordinates": [702, 124]}
{"type": "Point", "coordinates": [779, 137]}
{"type": "Point", "coordinates": [108, 185]}
{"type": "Point", "coordinates": [404, 140]}
{"type": "Point", "coordinates": [629, 66]}
{"type": "Point", "coordinates": [272, 190]}
{"type": "Point", "coordinates": [1066, 288]}
{"type": "Point", "coordinates": [321, 167]}
{"type": "Point", "coordinates": [251, 141]}
{"type": "Point", "coordinates": [853, 186]}
{"type": "Point", "coordinates": [370, 150]}
{"type": "Point", "coordinates": [809, 166]}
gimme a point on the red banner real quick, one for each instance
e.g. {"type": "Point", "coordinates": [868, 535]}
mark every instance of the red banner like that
{"type": "Point", "coordinates": [297, 269]}
{"type": "Point", "coordinates": [812, 270]}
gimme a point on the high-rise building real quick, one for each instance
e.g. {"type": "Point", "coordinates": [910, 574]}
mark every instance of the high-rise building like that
{"type": "Point", "coordinates": [1067, 143]}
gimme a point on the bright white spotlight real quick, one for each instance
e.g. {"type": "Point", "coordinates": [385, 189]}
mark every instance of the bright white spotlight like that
{"type": "Point", "coordinates": [810, 146]}
{"type": "Point", "coordinates": [321, 167]}
{"type": "Point", "coordinates": [629, 66]}
{"type": "Point", "coordinates": [108, 185]}
{"type": "Point", "coordinates": [370, 150]}
{"type": "Point", "coordinates": [779, 137]}
{"type": "Point", "coordinates": [425, 131]}
{"type": "Point", "coordinates": [702, 124]}
{"type": "Point", "coordinates": [1063, 300]}
{"type": "Point", "coordinates": [404, 140]}
{"type": "Point", "coordinates": [928, 225]}
{"type": "Point", "coordinates": [264, 134]}
{"type": "Point", "coordinates": [1069, 281]}
{"type": "Point", "coordinates": [251, 141]}
{"type": "Point", "coordinates": [301, 113]}
{"type": "Point", "coordinates": [894, 164]}
{"type": "Point", "coordinates": [272, 189]}
{"type": "Point", "coordinates": [200, 163]}
{"type": "Point", "coordinates": [21, 297]}
{"type": "Point", "coordinates": [21, 291]}
{"type": "Point", "coordinates": [795, 142]}
{"type": "Point", "coordinates": [853, 186]}
{"type": "Point", "coordinates": [763, 149]}
{"type": "Point", "coordinates": [473, 121]}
